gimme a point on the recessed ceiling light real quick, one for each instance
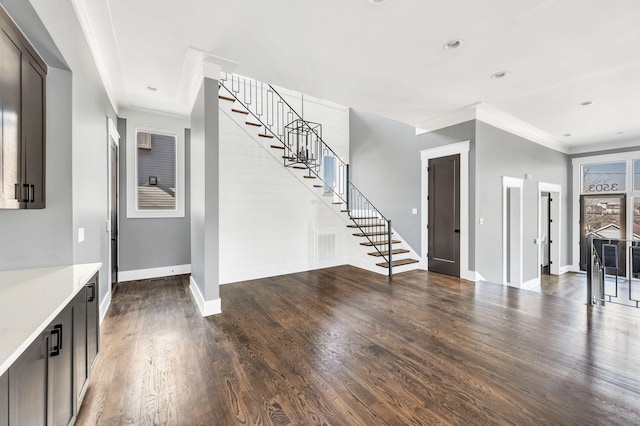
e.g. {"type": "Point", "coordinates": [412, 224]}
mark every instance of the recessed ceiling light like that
{"type": "Point", "coordinates": [452, 44]}
{"type": "Point", "coordinates": [620, 133]}
{"type": "Point", "coordinates": [499, 75]}
{"type": "Point", "coordinates": [152, 88]}
{"type": "Point", "coordinates": [566, 135]}
{"type": "Point", "coordinates": [376, 1]}
{"type": "Point", "coordinates": [586, 103]}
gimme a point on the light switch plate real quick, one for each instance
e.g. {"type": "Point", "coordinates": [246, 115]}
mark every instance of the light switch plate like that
{"type": "Point", "coordinates": [414, 211]}
{"type": "Point", "coordinates": [80, 235]}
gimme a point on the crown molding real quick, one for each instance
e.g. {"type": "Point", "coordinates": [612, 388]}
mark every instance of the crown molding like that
{"type": "Point", "coordinates": [495, 117]}
{"type": "Point", "coordinates": [604, 146]}
{"type": "Point", "coordinates": [92, 41]}
{"type": "Point", "coordinates": [198, 65]}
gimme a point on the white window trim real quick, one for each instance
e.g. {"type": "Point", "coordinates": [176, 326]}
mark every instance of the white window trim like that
{"type": "Point", "coordinates": [132, 173]}
{"type": "Point", "coordinates": [577, 164]}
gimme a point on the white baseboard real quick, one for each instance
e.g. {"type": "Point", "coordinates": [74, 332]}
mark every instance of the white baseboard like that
{"type": "Point", "coordinates": [568, 268]}
{"type": "Point", "coordinates": [207, 307]}
{"type": "Point", "coordinates": [470, 276]}
{"type": "Point", "coordinates": [145, 274]}
{"type": "Point", "coordinates": [104, 306]}
{"type": "Point", "coordinates": [531, 284]}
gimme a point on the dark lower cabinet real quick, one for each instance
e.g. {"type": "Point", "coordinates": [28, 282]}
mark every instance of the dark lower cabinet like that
{"type": "Point", "coordinates": [45, 385]}
{"type": "Point", "coordinates": [4, 399]}
{"type": "Point", "coordinates": [61, 369]}
{"type": "Point", "coordinates": [28, 385]}
{"type": "Point", "coordinates": [93, 321]}
{"type": "Point", "coordinates": [81, 372]}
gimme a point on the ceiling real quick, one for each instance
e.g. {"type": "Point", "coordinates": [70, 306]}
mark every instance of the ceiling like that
{"type": "Point", "coordinates": [389, 59]}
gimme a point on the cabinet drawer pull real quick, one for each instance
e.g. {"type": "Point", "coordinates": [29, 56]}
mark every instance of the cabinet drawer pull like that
{"type": "Point", "coordinates": [25, 198]}
{"type": "Point", "coordinates": [32, 193]}
{"type": "Point", "coordinates": [92, 295]}
{"type": "Point", "coordinates": [57, 347]}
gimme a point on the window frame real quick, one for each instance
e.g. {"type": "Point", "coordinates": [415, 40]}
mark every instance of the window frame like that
{"type": "Point", "coordinates": [132, 172]}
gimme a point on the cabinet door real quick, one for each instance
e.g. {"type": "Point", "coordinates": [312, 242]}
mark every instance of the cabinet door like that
{"type": "Point", "coordinates": [4, 399]}
{"type": "Point", "coordinates": [80, 344]}
{"type": "Point", "coordinates": [10, 70]}
{"type": "Point", "coordinates": [33, 97]}
{"type": "Point", "coordinates": [28, 385]}
{"type": "Point", "coordinates": [61, 368]}
{"type": "Point", "coordinates": [93, 321]}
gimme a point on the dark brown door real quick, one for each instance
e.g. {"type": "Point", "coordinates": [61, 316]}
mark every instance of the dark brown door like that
{"type": "Point", "coordinates": [444, 215]}
{"type": "Point", "coordinates": [114, 213]}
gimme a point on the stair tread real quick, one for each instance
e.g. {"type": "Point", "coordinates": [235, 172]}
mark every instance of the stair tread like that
{"type": "Point", "coordinates": [262, 135]}
{"type": "Point", "coordinates": [365, 218]}
{"type": "Point", "coordinates": [287, 157]}
{"type": "Point", "coordinates": [398, 262]}
{"type": "Point", "coordinates": [318, 186]}
{"type": "Point", "coordinates": [253, 124]}
{"type": "Point", "coordinates": [386, 252]}
{"type": "Point", "coordinates": [370, 244]}
{"type": "Point", "coordinates": [277, 146]}
{"type": "Point", "coordinates": [299, 167]}
{"type": "Point", "coordinates": [368, 225]}
{"type": "Point", "coordinates": [308, 177]}
{"type": "Point", "coordinates": [345, 211]}
{"type": "Point", "coordinates": [226, 98]}
{"type": "Point", "coordinates": [337, 202]}
{"type": "Point", "coordinates": [369, 234]}
{"type": "Point", "coordinates": [239, 111]}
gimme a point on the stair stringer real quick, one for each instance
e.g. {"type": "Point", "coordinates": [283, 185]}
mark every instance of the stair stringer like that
{"type": "Point", "coordinates": [357, 254]}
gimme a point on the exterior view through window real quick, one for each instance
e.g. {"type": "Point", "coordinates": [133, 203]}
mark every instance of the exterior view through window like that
{"type": "Point", "coordinates": [156, 171]}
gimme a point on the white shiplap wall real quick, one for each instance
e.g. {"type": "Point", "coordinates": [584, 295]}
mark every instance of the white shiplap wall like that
{"type": "Point", "coordinates": [269, 220]}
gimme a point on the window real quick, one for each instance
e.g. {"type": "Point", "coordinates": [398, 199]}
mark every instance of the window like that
{"type": "Point", "coordinates": [155, 164]}
{"type": "Point", "coordinates": [156, 171]}
{"type": "Point", "coordinates": [604, 177]}
{"type": "Point", "coordinates": [636, 175]}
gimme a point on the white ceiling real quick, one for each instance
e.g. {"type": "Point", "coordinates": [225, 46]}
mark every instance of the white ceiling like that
{"type": "Point", "coordinates": [389, 58]}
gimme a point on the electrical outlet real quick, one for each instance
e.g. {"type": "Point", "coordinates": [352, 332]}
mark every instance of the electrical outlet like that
{"type": "Point", "coordinates": [80, 235]}
{"type": "Point", "coordinates": [482, 221]}
{"type": "Point", "coordinates": [414, 211]}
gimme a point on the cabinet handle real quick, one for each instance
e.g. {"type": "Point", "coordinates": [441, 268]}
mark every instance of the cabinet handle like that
{"type": "Point", "coordinates": [17, 191]}
{"type": "Point", "coordinates": [22, 196]}
{"type": "Point", "coordinates": [32, 193]}
{"type": "Point", "coordinates": [57, 331]}
{"type": "Point", "coordinates": [93, 293]}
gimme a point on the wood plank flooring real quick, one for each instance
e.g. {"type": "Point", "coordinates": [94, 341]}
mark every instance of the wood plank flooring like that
{"type": "Point", "coordinates": [343, 346]}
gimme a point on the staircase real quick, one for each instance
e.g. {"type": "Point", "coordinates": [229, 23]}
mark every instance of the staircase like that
{"type": "Point", "coordinates": [299, 145]}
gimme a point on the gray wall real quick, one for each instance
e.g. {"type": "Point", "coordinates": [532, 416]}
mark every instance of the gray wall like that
{"type": "Point", "coordinates": [385, 165]}
{"type": "Point", "coordinates": [38, 238]}
{"type": "Point", "coordinates": [76, 164]}
{"type": "Point", "coordinates": [205, 178]}
{"type": "Point", "coordinates": [499, 153]}
{"type": "Point", "coordinates": [151, 243]}
{"type": "Point", "coordinates": [90, 107]}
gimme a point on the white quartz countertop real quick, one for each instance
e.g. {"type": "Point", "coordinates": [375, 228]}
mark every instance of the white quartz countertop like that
{"type": "Point", "coordinates": [30, 299]}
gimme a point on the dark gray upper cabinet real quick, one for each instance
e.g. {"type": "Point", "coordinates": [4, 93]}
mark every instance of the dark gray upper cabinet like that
{"type": "Point", "coordinates": [22, 120]}
{"type": "Point", "coordinates": [4, 399]}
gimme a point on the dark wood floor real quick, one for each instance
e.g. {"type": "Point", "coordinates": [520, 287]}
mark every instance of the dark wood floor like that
{"type": "Point", "coordinates": [343, 346]}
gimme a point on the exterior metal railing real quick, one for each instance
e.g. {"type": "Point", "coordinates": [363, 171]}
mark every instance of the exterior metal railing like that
{"type": "Point", "coordinates": [613, 272]}
{"type": "Point", "coordinates": [304, 147]}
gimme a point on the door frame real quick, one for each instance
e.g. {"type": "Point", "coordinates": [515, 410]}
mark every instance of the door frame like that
{"type": "Point", "coordinates": [112, 136]}
{"type": "Point", "coordinates": [555, 231]}
{"type": "Point", "coordinates": [461, 148]}
{"type": "Point", "coordinates": [511, 182]}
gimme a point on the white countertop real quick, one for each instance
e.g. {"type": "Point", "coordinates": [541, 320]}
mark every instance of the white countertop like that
{"type": "Point", "coordinates": [30, 299]}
